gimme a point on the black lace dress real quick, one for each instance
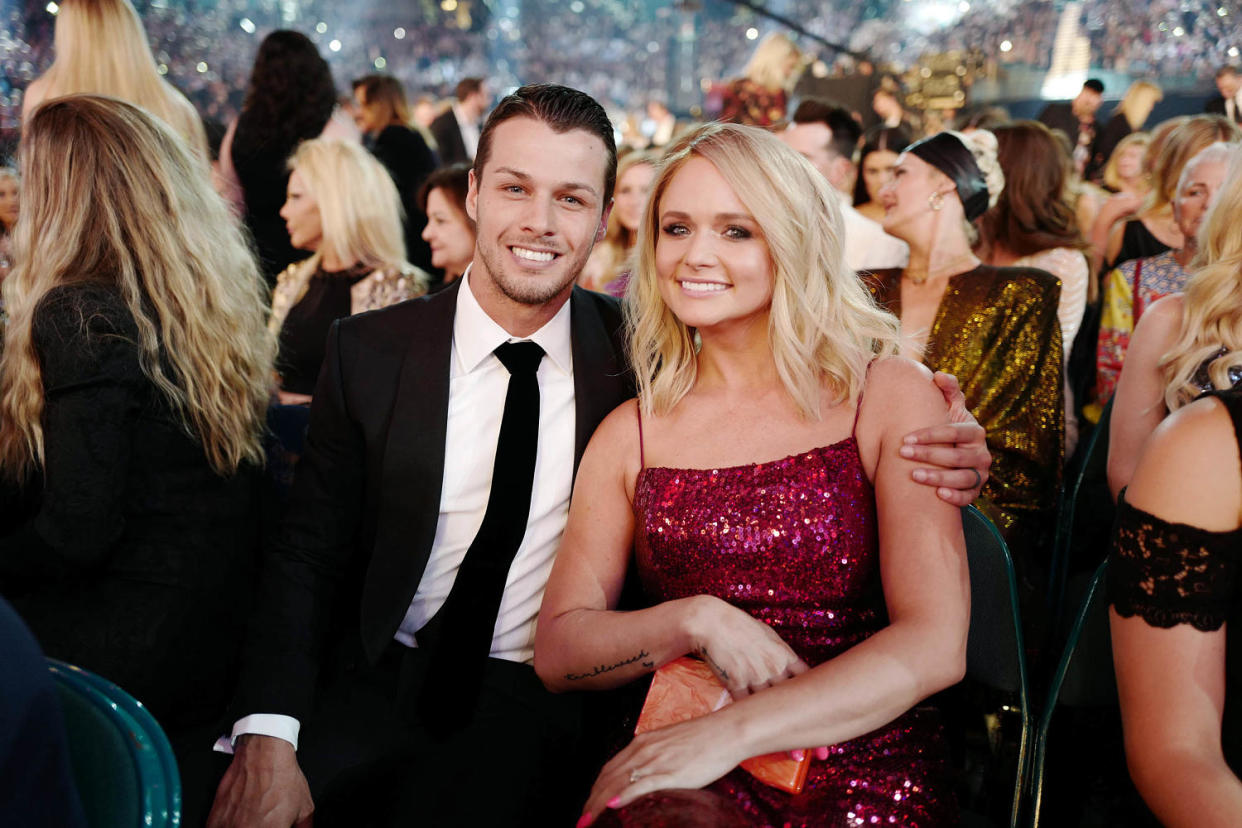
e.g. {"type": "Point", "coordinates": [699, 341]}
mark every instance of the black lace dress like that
{"type": "Point", "coordinates": [1173, 573]}
{"type": "Point", "coordinates": [129, 555]}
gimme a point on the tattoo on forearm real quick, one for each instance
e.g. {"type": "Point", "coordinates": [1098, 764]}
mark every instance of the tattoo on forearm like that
{"type": "Point", "coordinates": [600, 669]}
{"type": "Point", "coordinates": [720, 671]}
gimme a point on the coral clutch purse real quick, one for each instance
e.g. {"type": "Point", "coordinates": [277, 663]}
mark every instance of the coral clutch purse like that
{"type": "Point", "coordinates": [686, 689]}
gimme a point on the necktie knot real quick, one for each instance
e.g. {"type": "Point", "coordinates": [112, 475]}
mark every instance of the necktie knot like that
{"type": "Point", "coordinates": [520, 357]}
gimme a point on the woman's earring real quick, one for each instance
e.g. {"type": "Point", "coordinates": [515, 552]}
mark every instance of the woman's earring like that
{"type": "Point", "coordinates": [936, 200]}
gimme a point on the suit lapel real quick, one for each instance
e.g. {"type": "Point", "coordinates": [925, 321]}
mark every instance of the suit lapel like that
{"type": "Point", "coordinates": [413, 465]}
{"type": "Point", "coordinates": [599, 376]}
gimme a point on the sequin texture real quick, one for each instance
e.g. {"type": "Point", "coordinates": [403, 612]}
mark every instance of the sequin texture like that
{"type": "Point", "coordinates": [794, 543]}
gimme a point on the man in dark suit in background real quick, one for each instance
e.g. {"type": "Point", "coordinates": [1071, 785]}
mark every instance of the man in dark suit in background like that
{"type": "Point", "coordinates": [1228, 84]}
{"type": "Point", "coordinates": [1077, 120]}
{"type": "Point", "coordinates": [457, 129]}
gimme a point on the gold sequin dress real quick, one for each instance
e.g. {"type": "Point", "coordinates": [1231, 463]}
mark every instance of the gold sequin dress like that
{"type": "Point", "coordinates": [996, 330]}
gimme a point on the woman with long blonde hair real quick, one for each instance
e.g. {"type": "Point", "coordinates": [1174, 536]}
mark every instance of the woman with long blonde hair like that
{"type": "Point", "coordinates": [133, 386]}
{"type": "Point", "coordinates": [760, 96]}
{"type": "Point", "coordinates": [102, 49]}
{"type": "Point", "coordinates": [1188, 343]}
{"type": "Point", "coordinates": [1131, 114]}
{"type": "Point", "coordinates": [611, 259]}
{"type": "Point", "coordinates": [343, 207]}
{"type": "Point", "coordinates": [757, 480]}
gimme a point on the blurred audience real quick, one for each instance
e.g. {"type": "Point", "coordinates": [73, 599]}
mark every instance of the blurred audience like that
{"type": "Point", "coordinates": [9, 203]}
{"type": "Point", "coordinates": [760, 96]}
{"type": "Point", "coordinates": [384, 118]}
{"type": "Point", "coordinates": [876, 158]}
{"type": "Point", "coordinates": [1077, 120]}
{"type": "Point", "coordinates": [291, 97]}
{"type": "Point", "coordinates": [102, 49]}
{"type": "Point", "coordinates": [1131, 114]}
{"type": "Point", "coordinates": [344, 208]}
{"type": "Point", "coordinates": [611, 260]}
{"type": "Point", "coordinates": [450, 231]}
{"type": "Point", "coordinates": [1184, 344]}
{"type": "Point", "coordinates": [456, 130]}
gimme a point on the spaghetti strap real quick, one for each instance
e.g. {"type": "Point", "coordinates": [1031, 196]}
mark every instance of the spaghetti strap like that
{"type": "Point", "coordinates": [858, 405]}
{"type": "Point", "coordinates": [642, 459]}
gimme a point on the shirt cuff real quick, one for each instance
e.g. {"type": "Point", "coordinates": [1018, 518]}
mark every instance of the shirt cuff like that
{"type": "Point", "coordinates": [261, 724]}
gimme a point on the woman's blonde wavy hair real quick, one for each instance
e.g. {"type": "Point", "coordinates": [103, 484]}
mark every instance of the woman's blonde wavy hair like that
{"type": "Point", "coordinates": [1186, 141]}
{"type": "Point", "coordinates": [102, 49]}
{"type": "Point", "coordinates": [359, 207]}
{"type": "Point", "coordinates": [112, 196]}
{"type": "Point", "coordinates": [824, 327]}
{"type": "Point", "coordinates": [1212, 302]}
{"type": "Point", "coordinates": [617, 241]}
{"type": "Point", "coordinates": [767, 65]}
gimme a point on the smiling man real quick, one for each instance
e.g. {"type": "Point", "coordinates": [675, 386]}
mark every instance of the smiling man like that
{"type": "Point", "coordinates": [427, 510]}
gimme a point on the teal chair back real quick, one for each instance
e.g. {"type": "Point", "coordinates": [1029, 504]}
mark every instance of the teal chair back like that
{"type": "Point", "coordinates": [995, 648]}
{"type": "Point", "coordinates": [1083, 675]}
{"type": "Point", "coordinates": [122, 762]}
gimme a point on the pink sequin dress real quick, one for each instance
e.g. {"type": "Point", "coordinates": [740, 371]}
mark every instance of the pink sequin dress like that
{"type": "Point", "coordinates": [794, 543]}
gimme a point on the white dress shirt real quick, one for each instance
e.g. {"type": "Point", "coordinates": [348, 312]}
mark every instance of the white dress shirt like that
{"type": "Point", "coordinates": [469, 130]}
{"type": "Point", "coordinates": [478, 383]}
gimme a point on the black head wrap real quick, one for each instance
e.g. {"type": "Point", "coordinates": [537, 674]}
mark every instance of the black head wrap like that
{"type": "Point", "coordinates": [946, 152]}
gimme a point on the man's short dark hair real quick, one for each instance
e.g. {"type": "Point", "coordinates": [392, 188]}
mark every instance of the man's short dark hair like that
{"type": "Point", "coordinates": [561, 109]}
{"type": "Point", "coordinates": [467, 87]}
{"type": "Point", "coordinates": [1095, 85]}
{"type": "Point", "coordinates": [845, 130]}
{"type": "Point", "coordinates": [1226, 70]}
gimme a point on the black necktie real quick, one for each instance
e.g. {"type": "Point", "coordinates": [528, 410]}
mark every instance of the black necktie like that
{"type": "Point", "coordinates": [460, 635]}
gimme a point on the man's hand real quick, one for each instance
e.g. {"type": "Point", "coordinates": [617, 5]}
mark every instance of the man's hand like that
{"type": "Point", "coordinates": [958, 449]}
{"type": "Point", "coordinates": [263, 787]}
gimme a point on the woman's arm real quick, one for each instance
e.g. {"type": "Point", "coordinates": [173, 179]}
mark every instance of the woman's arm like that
{"type": "Point", "coordinates": [1104, 242]}
{"type": "Point", "coordinates": [581, 644]}
{"type": "Point", "coordinates": [1172, 681]}
{"type": "Point", "coordinates": [1138, 405]}
{"type": "Point", "coordinates": [922, 650]}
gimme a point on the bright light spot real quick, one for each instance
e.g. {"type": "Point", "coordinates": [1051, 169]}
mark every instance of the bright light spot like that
{"type": "Point", "coordinates": [1006, 46]}
{"type": "Point", "coordinates": [1233, 51]}
{"type": "Point", "coordinates": [335, 45]}
{"type": "Point", "coordinates": [380, 63]}
{"type": "Point", "coordinates": [399, 33]}
{"type": "Point", "coordinates": [247, 25]}
{"type": "Point", "coordinates": [1164, 27]}
{"type": "Point", "coordinates": [162, 69]}
{"type": "Point", "coordinates": [653, 47]}
{"type": "Point", "coordinates": [1179, 31]}
{"type": "Point", "coordinates": [1222, 12]}
{"type": "Point", "coordinates": [752, 33]}
{"type": "Point", "coordinates": [321, 27]}
{"type": "Point", "coordinates": [963, 7]}
{"type": "Point", "coordinates": [201, 67]}
{"type": "Point", "coordinates": [448, 5]}
{"type": "Point", "coordinates": [576, 7]}
{"type": "Point", "coordinates": [52, 8]}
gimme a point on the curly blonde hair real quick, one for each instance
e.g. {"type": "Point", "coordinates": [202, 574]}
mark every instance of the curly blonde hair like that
{"type": "Point", "coordinates": [824, 327]}
{"type": "Point", "coordinates": [111, 196]}
{"type": "Point", "coordinates": [1212, 303]}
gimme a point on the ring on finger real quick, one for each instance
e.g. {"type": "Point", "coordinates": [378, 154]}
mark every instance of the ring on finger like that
{"type": "Point", "coordinates": [635, 775]}
{"type": "Point", "coordinates": [978, 479]}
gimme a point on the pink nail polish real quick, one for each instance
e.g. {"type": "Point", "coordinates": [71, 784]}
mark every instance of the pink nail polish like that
{"type": "Point", "coordinates": [615, 802]}
{"type": "Point", "coordinates": [797, 755]}
{"type": "Point", "coordinates": [821, 753]}
{"type": "Point", "coordinates": [585, 820]}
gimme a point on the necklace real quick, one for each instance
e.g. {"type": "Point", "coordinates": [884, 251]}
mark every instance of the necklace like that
{"type": "Point", "coordinates": [952, 268]}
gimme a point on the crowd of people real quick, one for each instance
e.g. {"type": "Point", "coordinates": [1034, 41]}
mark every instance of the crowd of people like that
{"type": "Point", "coordinates": [372, 444]}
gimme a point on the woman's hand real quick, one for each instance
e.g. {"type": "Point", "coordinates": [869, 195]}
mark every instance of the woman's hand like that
{"type": "Point", "coordinates": [958, 448]}
{"type": "Point", "coordinates": [687, 755]}
{"type": "Point", "coordinates": [745, 654]}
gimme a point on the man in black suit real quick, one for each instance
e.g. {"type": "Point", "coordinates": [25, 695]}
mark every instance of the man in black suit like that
{"type": "Point", "coordinates": [393, 486]}
{"type": "Point", "coordinates": [1228, 84]}
{"type": "Point", "coordinates": [1077, 120]}
{"type": "Point", "coordinates": [457, 129]}
{"type": "Point", "coordinates": [397, 486]}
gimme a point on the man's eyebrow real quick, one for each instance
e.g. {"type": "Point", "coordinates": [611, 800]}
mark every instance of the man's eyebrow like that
{"type": "Point", "coordinates": [567, 185]}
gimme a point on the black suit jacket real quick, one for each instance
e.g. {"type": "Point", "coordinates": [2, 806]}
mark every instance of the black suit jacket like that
{"type": "Point", "coordinates": [448, 139]}
{"type": "Point", "coordinates": [366, 498]}
{"type": "Point", "coordinates": [409, 161]}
